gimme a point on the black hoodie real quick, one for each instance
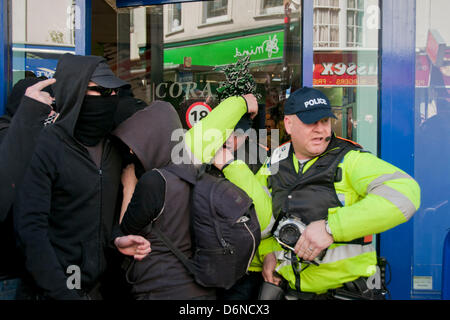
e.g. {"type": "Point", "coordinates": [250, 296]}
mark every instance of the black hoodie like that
{"type": "Point", "coordinates": [160, 275]}
{"type": "Point", "coordinates": [19, 129]}
{"type": "Point", "coordinates": [67, 205]}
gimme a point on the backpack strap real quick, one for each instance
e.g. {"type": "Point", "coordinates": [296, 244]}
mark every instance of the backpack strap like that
{"type": "Point", "coordinates": [212, 211]}
{"type": "Point", "coordinates": [180, 255]}
{"type": "Point", "coordinates": [186, 172]}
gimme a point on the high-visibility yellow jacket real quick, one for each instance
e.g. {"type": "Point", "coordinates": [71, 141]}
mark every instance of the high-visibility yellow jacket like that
{"type": "Point", "coordinates": [378, 196]}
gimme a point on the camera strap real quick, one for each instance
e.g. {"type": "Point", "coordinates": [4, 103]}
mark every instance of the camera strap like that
{"type": "Point", "coordinates": [295, 268]}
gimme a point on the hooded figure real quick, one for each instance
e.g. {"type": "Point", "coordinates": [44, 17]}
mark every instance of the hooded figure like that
{"type": "Point", "coordinates": [66, 208]}
{"type": "Point", "coordinates": [163, 200]}
{"type": "Point", "coordinates": [19, 129]}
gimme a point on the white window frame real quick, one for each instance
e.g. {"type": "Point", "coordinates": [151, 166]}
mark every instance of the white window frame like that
{"type": "Point", "coordinates": [170, 10]}
{"type": "Point", "coordinates": [214, 20]}
{"type": "Point", "coordinates": [269, 11]}
{"type": "Point", "coordinates": [355, 27]}
{"type": "Point", "coordinates": [329, 5]}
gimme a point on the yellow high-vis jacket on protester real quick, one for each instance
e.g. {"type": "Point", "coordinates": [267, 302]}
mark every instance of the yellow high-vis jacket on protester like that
{"type": "Point", "coordinates": [374, 196]}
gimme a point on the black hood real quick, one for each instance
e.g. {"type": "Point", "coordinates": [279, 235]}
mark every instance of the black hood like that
{"type": "Point", "coordinates": [72, 75]}
{"type": "Point", "coordinates": [148, 133]}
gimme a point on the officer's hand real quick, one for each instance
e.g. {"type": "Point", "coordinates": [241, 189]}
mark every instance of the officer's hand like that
{"type": "Point", "coordinates": [313, 240]}
{"type": "Point", "coordinates": [35, 91]}
{"type": "Point", "coordinates": [268, 272]}
{"type": "Point", "coordinates": [132, 245]}
{"type": "Point", "coordinates": [252, 104]}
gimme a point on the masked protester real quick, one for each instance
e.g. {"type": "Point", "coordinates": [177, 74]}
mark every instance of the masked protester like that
{"type": "Point", "coordinates": [66, 208]}
{"type": "Point", "coordinates": [28, 106]}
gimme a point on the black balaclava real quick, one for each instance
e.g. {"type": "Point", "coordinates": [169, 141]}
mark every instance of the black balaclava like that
{"type": "Point", "coordinates": [96, 119]}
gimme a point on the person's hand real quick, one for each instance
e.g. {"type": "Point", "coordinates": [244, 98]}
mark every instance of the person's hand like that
{"type": "Point", "coordinates": [223, 155]}
{"type": "Point", "coordinates": [313, 240]}
{"type": "Point", "coordinates": [252, 104]}
{"type": "Point", "coordinates": [268, 272]}
{"type": "Point", "coordinates": [35, 91]}
{"type": "Point", "coordinates": [133, 245]}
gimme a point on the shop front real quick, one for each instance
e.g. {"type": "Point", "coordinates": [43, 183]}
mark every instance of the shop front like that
{"type": "Point", "coordinates": [360, 53]}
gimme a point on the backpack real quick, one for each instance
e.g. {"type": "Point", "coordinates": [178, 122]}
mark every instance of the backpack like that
{"type": "Point", "coordinates": [224, 227]}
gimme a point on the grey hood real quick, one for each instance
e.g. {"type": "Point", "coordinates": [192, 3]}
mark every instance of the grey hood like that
{"type": "Point", "coordinates": [148, 133]}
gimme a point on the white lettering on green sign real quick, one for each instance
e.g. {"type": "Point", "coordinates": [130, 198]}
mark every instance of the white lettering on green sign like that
{"type": "Point", "coordinates": [270, 46]}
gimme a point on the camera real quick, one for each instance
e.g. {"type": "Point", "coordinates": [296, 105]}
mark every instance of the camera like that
{"type": "Point", "coordinates": [289, 230]}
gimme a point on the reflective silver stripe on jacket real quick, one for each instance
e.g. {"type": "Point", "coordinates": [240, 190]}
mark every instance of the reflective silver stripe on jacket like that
{"type": "Point", "coordinates": [332, 255]}
{"type": "Point", "coordinates": [345, 252]}
{"type": "Point", "coordinates": [403, 203]}
{"type": "Point", "coordinates": [267, 231]}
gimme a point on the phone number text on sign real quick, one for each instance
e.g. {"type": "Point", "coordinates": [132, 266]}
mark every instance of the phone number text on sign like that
{"type": "Point", "coordinates": [196, 112]}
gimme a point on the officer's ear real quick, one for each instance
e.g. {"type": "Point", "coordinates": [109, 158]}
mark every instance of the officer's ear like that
{"type": "Point", "coordinates": [288, 123]}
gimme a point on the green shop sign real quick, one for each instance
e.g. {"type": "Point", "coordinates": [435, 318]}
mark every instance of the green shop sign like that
{"type": "Point", "coordinates": [263, 47]}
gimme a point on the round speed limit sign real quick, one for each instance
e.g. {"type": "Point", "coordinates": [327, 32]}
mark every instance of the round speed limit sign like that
{"type": "Point", "coordinates": [196, 112]}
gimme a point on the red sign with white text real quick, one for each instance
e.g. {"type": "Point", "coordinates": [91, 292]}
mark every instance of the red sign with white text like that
{"type": "Point", "coordinates": [345, 69]}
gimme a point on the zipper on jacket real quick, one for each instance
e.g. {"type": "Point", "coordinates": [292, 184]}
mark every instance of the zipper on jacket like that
{"type": "Point", "coordinates": [254, 246]}
{"type": "Point", "coordinates": [100, 173]}
{"type": "Point", "coordinates": [106, 143]}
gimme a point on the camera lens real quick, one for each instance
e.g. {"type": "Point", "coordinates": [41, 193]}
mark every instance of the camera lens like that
{"type": "Point", "coordinates": [289, 234]}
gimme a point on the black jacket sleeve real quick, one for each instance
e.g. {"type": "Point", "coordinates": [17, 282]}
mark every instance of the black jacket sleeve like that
{"type": "Point", "coordinates": [31, 222]}
{"type": "Point", "coordinates": [5, 122]}
{"type": "Point", "coordinates": [17, 147]}
{"type": "Point", "coordinates": [146, 203]}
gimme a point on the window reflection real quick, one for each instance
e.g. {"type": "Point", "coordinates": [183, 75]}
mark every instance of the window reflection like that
{"type": "Point", "coordinates": [38, 43]}
{"type": "Point", "coordinates": [432, 150]}
{"type": "Point", "coordinates": [189, 61]}
{"type": "Point", "coordinates": [346, 65]}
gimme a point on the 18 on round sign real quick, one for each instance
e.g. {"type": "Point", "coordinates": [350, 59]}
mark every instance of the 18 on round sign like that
{"type": "Point", "coordinates": [196, 112]}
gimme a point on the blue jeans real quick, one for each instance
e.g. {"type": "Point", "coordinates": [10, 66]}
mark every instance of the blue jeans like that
{"type": "Point", "coordinates": [8, 288]}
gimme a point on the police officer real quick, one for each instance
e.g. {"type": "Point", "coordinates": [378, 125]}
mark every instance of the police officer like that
{"type": "Point", "coordinates": [329, 189]}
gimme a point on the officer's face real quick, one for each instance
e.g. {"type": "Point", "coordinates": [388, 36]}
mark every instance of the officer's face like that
{"type": "Point", "coordinates": [309, 140]}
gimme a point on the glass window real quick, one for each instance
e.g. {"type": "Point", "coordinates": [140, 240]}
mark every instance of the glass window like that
{"type": "Point", "coordinates": [215, 11]}
{"type": "Point", "coordinates": [326, 23]}
{"type": "Point", "coordinates": [355, 13]}
{"type": "Point", "coordinates": [38, 43]}
{"type": "Point", "coordinates": [346, 67]}
{"type": "Point", "coordinates": [432, 149]}
{"type": "Point", "coordinates": [186, 67]}
{"type": "Point", "coordinates": [271, 7]}
{"type": "Point", "coordinates": [175, 21]}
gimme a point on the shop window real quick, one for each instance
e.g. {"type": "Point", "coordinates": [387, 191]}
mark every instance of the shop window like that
{"type": "Point", "coordinates": [175, 18]}
{"type": "Point", "coordinates": [42, 30]}
{"type": "Point", "coordinates": [346, 67]}
{"type": "Point", "coordinates": [432, 151]}
{"type": "Point", "coordinates": [216, 11]}
{"type": "Point", "coordinates": [186, 67]}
